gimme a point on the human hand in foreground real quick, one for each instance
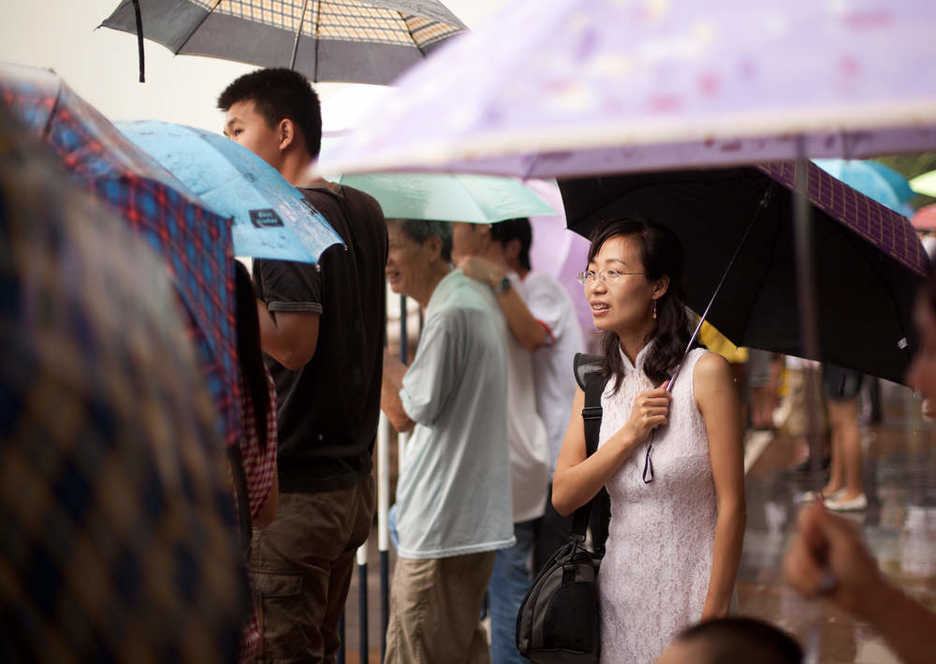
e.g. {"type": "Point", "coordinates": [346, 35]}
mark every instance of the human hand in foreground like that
{"type": "Point", "coordinates": [828, 558]}
{"type": "Point", "coordinates": [481, 270]}
{"type": "Point", "coordinates": [650, 410]}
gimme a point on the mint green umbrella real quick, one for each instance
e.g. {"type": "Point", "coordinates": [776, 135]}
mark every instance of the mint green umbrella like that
{"type": "Point", "coordinates": [479, 199]}
{"type": "Point", "coordinates": [925, 184]}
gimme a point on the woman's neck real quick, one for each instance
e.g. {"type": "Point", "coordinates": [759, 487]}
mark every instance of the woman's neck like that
{"type": "Point", "coordinates": [633, 340]}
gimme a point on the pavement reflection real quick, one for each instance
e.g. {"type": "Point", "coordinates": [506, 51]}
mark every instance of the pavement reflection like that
{"type": "Point", "coordinates": [899, 526]}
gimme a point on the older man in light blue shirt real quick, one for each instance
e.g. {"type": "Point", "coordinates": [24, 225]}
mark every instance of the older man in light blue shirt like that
{"type": "Point", "coordinates": [453, 498]}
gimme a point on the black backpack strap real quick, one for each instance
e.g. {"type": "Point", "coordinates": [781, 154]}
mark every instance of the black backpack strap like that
{"type": "Point", "coordinates": [590, 378]}
{"type": "Point", "coordinates": [240, 493]}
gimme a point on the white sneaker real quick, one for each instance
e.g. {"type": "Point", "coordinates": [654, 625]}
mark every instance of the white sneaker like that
{"type": "Point", "coordinates": [856, 504]}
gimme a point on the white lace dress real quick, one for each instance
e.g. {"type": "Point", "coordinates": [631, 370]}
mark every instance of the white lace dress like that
{"type": "Point", "coordinates": [655, 574]}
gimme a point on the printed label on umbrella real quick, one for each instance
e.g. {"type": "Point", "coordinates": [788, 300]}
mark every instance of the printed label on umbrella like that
{"type": "Point", "coordinates": [265, 218]}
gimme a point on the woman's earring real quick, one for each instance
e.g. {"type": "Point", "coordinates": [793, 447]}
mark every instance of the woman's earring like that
{"type": "Point", "coordinates": [653, 310]}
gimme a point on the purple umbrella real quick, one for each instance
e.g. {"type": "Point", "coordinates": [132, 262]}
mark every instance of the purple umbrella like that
{"type": "Point", "coordinates": [594, 86]}
{"type": "Point", "coordinates": [560, 251]}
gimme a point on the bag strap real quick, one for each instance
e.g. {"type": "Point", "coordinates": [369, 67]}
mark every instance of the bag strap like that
{"type": "Point", "coordinates": [586, 372]}
{"type": "Point", "coordinates": [240, 493]}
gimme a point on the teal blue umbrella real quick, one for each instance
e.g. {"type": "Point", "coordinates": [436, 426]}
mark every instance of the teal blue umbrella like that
{"type": "Point", "coordinates": [479, 199]}
{"type": "Point", "coordinates": [272, 219]}
{"type": "Point", "coordinates": [874, 180]}
{"type": "Point", "coordinates": [898, 182]}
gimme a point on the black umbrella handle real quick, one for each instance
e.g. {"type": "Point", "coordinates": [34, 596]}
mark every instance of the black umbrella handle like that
{"type": "Point", "coordinates": [139, 27]}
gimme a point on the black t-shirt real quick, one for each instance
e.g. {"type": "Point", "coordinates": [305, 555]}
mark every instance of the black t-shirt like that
{"type": "Point", "coordinates": [328, 409]}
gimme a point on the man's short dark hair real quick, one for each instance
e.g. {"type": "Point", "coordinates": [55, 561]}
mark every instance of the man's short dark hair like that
{"type": "Point", "coordinates": [742, 639]}
{"type": "Point", "coordinates": [420, 230]}
{"type": "Point", "coordinates": [515, 229]}
{"type": "Point", "coordinates": [277, 94]}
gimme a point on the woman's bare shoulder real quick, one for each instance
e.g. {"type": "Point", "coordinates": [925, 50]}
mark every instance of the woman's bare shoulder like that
{"type": "Point", "coordinates": [712, 373]}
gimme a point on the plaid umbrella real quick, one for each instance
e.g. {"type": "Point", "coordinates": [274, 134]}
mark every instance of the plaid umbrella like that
{"type": "Point", "coordinates": [118, 532]}
{"type": "Point", "coordinates": [357, 41]}
{"type": "Point", "coordinates": [194, 242]}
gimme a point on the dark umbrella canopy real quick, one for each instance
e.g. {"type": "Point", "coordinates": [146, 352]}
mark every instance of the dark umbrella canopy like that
{"type": "Point", "coordinates": [194, 242]}
{"type": "Point", "coordinates": [356, 41]}
{"type": "Point", "coordinates": [869, 260]}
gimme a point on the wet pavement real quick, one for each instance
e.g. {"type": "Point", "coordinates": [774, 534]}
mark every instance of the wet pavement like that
{"type": "Point", "coordinates": [899, 527]}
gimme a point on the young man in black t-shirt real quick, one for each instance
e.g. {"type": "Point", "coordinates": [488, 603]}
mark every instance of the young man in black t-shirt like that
{"type": "Point", "coordinates": [322, 327]}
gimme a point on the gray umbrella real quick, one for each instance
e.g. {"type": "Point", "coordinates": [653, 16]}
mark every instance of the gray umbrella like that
{"type": "Point", "coordinates": [357, 41]}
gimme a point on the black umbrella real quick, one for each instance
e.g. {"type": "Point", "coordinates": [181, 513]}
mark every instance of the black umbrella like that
{"type": "Point", "coordinates": [869, 262]}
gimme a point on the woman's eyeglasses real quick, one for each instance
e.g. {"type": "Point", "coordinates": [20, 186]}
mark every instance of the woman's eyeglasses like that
{"type": "Point", "coordinates": [606, 276]}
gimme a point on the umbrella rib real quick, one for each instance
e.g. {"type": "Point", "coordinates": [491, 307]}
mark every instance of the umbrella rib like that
{"type": "Point", "coordinates": [765, 200]}
{"type": "Point", "coordinates": [295, 48]}
{"type": "Point", "coordinates": [195, 29]}
{"type": "Point", "coordinates": [55, 105]}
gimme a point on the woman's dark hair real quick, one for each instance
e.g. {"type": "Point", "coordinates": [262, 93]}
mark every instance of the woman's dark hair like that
{"type": "Point", "coordinates": [661, 255]}
{"type": "Point", "coordinates": [248, 348]}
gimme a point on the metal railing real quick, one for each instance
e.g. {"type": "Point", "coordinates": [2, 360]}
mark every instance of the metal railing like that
{"type": "Point", "coordinates": [383, 528]}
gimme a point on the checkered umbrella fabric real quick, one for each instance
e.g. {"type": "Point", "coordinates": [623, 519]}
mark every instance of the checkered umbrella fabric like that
{"type": "Point", "coordinates": [884, 228]}
{"type": "Point", "coordinates": [357, 41]}
{"type": "Point", "coordinates": [194, 242]}
{"type": "Point", "coordinates": [118, 526]}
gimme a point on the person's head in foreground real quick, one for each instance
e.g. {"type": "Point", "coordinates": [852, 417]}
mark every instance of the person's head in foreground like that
{"type": "Point", "coordinates": [633, 284]}
{"type": "Point", "coordinates": [276, 114]}
{"type": "Point", "coordinates": [730, 641]}
{"type": "Point", "coordinates": [419, 255]}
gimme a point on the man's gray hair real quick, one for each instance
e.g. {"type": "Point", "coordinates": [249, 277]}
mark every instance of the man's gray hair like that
{"type": "Point", "coordinates": [420, 230]}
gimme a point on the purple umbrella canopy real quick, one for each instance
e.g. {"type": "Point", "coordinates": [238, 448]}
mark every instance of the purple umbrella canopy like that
{"type": "Point", "coordinates": [559, 251]}
{"type": "Point", "coordinates": [594, 86]}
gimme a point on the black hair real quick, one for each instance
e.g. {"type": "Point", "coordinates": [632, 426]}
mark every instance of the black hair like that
{"type": "Point", "coordinates": [249, 354]}
{"type": "Point", "coordinates": [420, 230]}
{"type": "Point", "coordinates": [278, 94]}
{"type": "Point", "coordinates": [661, 255]}
{"type": "Point", "coordinates": [515, 229]}
{"type": "Point", "coordinates": [742, 639]}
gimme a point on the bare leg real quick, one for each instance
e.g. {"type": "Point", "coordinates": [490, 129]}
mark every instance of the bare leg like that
{"type": "Point", "coordinates": [849, 445]}
{"type": "Point", "coordinates": [837, 466]}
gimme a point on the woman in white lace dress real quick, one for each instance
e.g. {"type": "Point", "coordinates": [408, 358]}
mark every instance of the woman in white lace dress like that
{"type": "Point", "coordinates": [674, 543]}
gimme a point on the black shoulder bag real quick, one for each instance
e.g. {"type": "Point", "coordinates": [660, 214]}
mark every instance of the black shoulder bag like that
{"type": "Point", "coordinates": [558, 622]}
